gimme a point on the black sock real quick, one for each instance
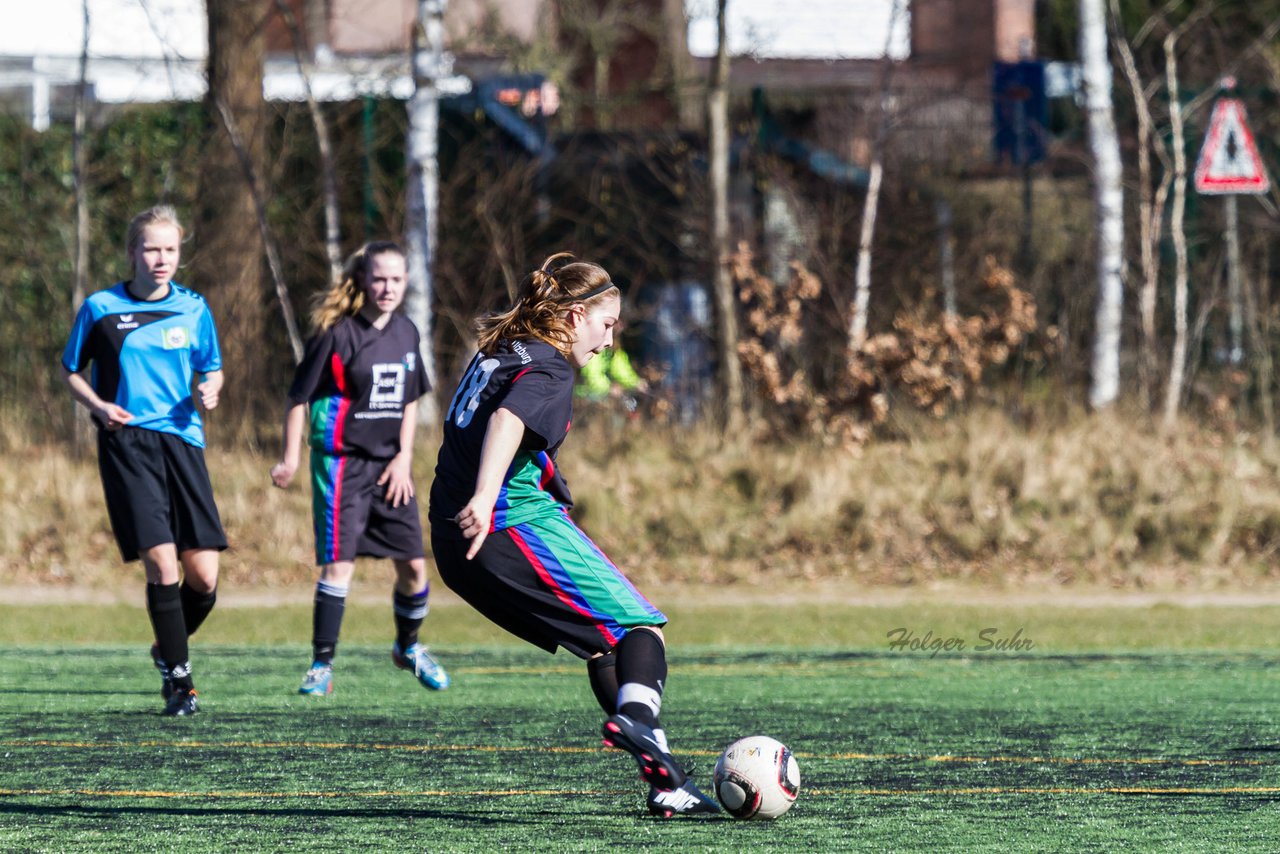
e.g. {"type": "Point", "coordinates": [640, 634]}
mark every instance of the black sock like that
{"type": "Point", "coordinates": [326, 622]}
{"type": "Point", "coordinates": [410, 611]}
{"type": "Point", "coordinates": [603, 673]}
{"type": "Point", "coordinates": [642, 670]}
{"type": "Point", "coordinates": [196, 606]}
{"type": "Point", "coordinates": [164, 606]}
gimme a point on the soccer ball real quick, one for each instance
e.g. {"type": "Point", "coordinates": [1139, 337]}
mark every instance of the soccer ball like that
{"type": "Point", "coordinates": [757, 777]}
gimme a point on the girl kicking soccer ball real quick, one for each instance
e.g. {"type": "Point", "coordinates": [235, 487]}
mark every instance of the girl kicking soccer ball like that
{"type": "Point", "coordinates": [500, 527]}
{"type": "Point", "coordinates": [361, 378]}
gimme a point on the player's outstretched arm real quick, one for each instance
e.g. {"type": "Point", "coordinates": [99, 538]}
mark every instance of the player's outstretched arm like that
{"type": "Point", "coordinates": [294, 419]}
{"type": "Point", "coordinates": [502, 439]}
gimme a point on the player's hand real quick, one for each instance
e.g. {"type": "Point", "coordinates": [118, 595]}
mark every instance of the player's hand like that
{"type": "Point", "coordinates": [210, 389]}
{"type": "Point", "coordinates": [474, 520]}
{"type": "Point", "coordinates": [282, 474]}
{"type": "Point", "coordinates": [114, 417]}
{"type": "Point", "coordinates": [398, 478]}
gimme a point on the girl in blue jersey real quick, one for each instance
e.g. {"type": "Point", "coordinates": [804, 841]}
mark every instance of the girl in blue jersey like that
{"type": "Point", "coordinates": [361, 378]}
{"type": "Point", "coordinates": [500, 527]}
{"type": "Point", "coordinates": [146, 339]}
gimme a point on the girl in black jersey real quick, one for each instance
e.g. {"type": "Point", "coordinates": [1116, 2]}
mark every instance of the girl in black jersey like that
{"type": "Point", "coordinates": [500, 528]}
{"type": "Point", "coordinates": [362, 377]}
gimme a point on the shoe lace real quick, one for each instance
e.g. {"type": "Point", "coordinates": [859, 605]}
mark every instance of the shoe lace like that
{"type": "Point", "coordinates": [422, 661]}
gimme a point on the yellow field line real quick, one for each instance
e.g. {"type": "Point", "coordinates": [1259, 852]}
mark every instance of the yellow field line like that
{"type": "Point", "coordinates": [1059, 790]}
{"type": "Point", "coordinates": [417, 793]}
{"type": "Point", "coordinates": [1045, 760]}
{"type": "Point", "coordinates": [296, 745]}
{"type": "Point", "coordinates": [492, 748]}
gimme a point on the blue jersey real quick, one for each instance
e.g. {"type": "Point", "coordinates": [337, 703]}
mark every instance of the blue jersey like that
{"type": "Point", "coordinates": [145, 353]}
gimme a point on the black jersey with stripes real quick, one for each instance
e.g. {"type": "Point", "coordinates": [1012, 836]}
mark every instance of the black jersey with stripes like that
{"type": "Point", "coordinates": [358, 379]}
{"type": "Point", "coordinates": [534, 381]}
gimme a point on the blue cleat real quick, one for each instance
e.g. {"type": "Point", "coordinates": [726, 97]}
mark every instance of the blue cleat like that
{"type": "Point", "coordinates": [318, 681]}
{"type": "Point", "coordinates": [426, 668]}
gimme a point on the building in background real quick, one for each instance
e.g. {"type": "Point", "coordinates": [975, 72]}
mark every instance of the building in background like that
{"type": "Point", "coordinates": [824, 57]}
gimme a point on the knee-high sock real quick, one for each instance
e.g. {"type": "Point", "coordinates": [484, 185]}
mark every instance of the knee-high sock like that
{"type": "Point", "coordinates": [410, 612]}
{"type": "Point", "coordinates": [196, 606]}
{"type": "Point", "coordinates": [164, 606]}
{"type": "Point", "coordinates": [642, 670]}
{"type": "Point", "coordinates": [326, 620]}
{"type": "Point", "coordinates": [603, 673]}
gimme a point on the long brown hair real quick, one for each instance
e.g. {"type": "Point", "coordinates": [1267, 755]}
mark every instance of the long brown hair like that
{"type": "Point", "coordinates": [345, 297]}
{"type": "Point", "coordinates": [539, 311]}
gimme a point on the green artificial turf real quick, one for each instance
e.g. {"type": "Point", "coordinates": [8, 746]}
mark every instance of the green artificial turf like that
{"type": "Point", "coordinates": [898, 750]}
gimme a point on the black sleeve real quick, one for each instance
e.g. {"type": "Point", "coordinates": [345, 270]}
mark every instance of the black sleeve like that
{"type": "Point", "coordinates": [419, 383]}
{"type": "Point", "coordinates": [542, 398]}
{"type": "Point", "coordinates": [311, 370]}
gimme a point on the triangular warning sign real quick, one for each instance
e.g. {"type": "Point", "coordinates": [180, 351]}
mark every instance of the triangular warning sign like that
{"type": "Point", "coordinates": [1229, 160]}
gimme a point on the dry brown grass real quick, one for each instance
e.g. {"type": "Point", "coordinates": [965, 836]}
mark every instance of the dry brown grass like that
{"type": "Point", "coordinates": [1096, 501]}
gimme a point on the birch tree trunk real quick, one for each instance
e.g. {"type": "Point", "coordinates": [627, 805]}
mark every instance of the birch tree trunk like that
{"type": "Point", "coordinates": [422, 205]}
{"type": "Point", "coordinates": [1108, 204]}
{"type": "Point", "coordinates": [731, 390]}
{"type": "Point", "coordinates": [862, 275]}
{"type": "Point", "coordinates": [871, 202]}
{"type": "Point", "coordinates": [1178, 362]}
{"type": "Point", "coordinates": [83, 434]}
{"type": "Point", "coordinates": [79, 168]}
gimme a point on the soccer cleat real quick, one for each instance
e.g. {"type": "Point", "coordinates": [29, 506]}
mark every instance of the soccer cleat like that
{"type": "Point", "coordinates": [319, 680]}
{"type": "Point", "coordinates": [686, 800]}
{"type": "Point", "coordinates": [426, 668]}
{"type": "Point", "coordinates": [166, 681]}
{"type": "Point", "coordinates": [182, 702]}
{"type": "Point", "coordinates": [658, 768]}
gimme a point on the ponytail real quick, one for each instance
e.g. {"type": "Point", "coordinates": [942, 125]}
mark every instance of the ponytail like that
{"type": "Point", "coordinates": [345, 297]}
{"type": "Point", "coordinates": [540, 309]}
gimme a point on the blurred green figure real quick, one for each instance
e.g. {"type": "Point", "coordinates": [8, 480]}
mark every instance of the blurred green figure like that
{"type": "Point", "coordinates": [608, 374]}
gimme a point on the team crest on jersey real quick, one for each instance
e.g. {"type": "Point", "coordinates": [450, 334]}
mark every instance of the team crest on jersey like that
{"type": "Point", "coordinates": [176, 338]}
{"type": "Point", "coordinates": [410, 361]}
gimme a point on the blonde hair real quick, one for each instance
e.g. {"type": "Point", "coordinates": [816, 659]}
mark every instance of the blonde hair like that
{"type": "Point", "coordinates": [544, 295]}
{"type": "Point", "coordinates": [345, 297]}
{"type": "Point", "coordinates": [152, 215]}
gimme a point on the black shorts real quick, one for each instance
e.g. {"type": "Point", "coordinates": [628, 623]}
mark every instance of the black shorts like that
{"type": "Point", "coordinates": [546, 582]}
{"type": "Point", "coordinates": [351, 514]}
{"type": "Point", "coordinates": [158, 491]}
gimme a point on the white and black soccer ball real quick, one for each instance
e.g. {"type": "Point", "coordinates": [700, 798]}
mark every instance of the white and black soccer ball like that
{"type": "Point", "coordinates": [757, 777]}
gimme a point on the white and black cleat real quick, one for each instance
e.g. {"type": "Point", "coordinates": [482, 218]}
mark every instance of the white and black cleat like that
{"type": "Point", "coordinates": [685, 800]}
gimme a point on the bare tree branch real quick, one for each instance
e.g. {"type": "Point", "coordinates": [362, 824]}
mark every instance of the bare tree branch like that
{"type": "Point", "coordinates": [260, 208]}
{"type": "Point", "coordinates": [332, 230]}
